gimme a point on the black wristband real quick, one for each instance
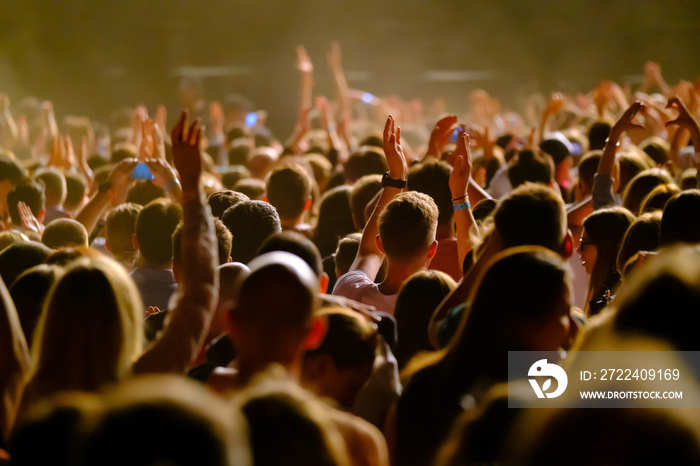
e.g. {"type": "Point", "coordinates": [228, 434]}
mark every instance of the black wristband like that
{"type": "Point", "coordinates": [391, 182]}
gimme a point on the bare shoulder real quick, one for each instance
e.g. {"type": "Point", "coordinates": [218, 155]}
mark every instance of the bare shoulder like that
{"type": "Point", "coordinates": [365, 442]}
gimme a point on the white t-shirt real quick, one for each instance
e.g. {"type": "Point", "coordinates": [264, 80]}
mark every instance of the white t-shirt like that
{"type": "Point", "coordinates": [357, 285]}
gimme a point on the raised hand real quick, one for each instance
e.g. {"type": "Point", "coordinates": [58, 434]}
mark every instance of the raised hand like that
{"type": "Point", "coordinates": [161, 117]}
{"type": "Point", "coordinates": [626, 123]}
{"type": "Point", "coordinates": [29, 221]}
{"type": "Point", "coordinates": [147, 147]}
{"type": "Point", "coordinates": [325, 112]}
{"type": "Point", "coordinates": [398, 168]}
{"type": "Point", "coordinates": [440, 136]}
{"type": "Point", "coordinates": [163, 173]}
{"type": "Point", "coordinates": [120, 179]}
{"type": "Point", "coordinates": [685, 119]}
{"type": "Point", "coordinates": [459, 179]}
{"type": "Point", "coordinates": [335, 57]}
{"type": "Point", "coordinates": [555, 104]}
{"type": "Point", "coordinates": [483, 141]}
{"type": "Point", "coordinates": [303, 61]}
{"type": "Point", "coordinates": [187, 157]}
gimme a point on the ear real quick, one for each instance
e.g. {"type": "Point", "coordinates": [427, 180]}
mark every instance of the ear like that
{"type": "Point", "coordinates": [324, 282]}
{"type": "Point", "coordinates": [432, 249]}
{"type": "Point", "coordinates": [135, 242]}
{"type": "Point", "coordinates": [318, 331]}
{"type": "Point", "coordinates": [107, 245]}
{"type": "Point", "coordinates": [307, 204]}
{"type": "Point", "coordinates": [568, 245]}
{"type": "Point", "coordinates": [264, 199]}
{"type": "Point", "coordinates": [232, 325]}
{"type": "Point", "coordinates": [41, 216]}
{"type": "Point", "coordinates": [230, 259]}
{"type": "Point", "coordinates": [176, 272]}
{"type": "Point", "coordinates": [379, 244]}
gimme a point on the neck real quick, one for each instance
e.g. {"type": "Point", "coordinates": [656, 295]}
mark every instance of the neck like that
{"type": "Point", "coordinates": [291, 222]}
{"type": "Point", "coordinates": [249, 364]}
{"type": "Point", "coordinates": [398, 272]}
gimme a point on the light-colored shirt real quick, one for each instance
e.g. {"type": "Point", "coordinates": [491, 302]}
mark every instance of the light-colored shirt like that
{"type": "Point", "coordinates": [357, 285]}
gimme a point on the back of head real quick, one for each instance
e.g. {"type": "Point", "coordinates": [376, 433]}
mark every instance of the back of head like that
{"type": "Point", "coordinates": [416, 301]}
{"type": "Point", "coordinates": [557, 148]}
{"type": "Point", "coordinates": [662, 299]}
{"type": "Point", "coordinates": [233, 175]}
{"type": "Point", "coordinates": [597, 135]}
{"type": "Point", "coordinates": [642, 235]}
{"type": "Point", "coordinates": [29, 293]}
{"type": "Point", "coordinates": [407, 225]}
{"type": "Point", "coordinates": [499, 320]}
{"type": "Point", "coordinates": [10, 237]}
{"type": "Point", "coordinates": [531, 214]}
{"type": "Point", "coordinates": [658, 197]}
{"type": "Point", "coordinates": [297, 244]}
{"type": "Point", "coordinates": [54, 185]}
{"type": "Point", "coordinates": [363, 191]}
{"type": "Point", "coordinates": [321, 168]}
{"type": "Point", "coordinates": [75, 191]}
{"type": "Point", "coordinates": [94, 315]}
{"type": "Point", "coordinates": [656, 148]}
{"type": "Point", "coordinates": [432, 178]}
{"type": "Point", "coordinates": [641, 185]}
{"type": "Point", "coordinates": [288, 426]}
{"type": "Point", "coordinates": [367, 161]}
{"type": "Point", "coordinates": [184, 424]}
{"type": "Point", "coordinates": [19, 257]}
{"type": "Point", "coordinates": [143, 192]}
{"type": "Point", "coordinates": [155, 225]}
{"type": "Point", "coordinates": [251, 223]}
{"type": "Point", "coordinates": [251, 187]}
{"type": "Point", "coordinates": [529, 167]}
{"type": "Point", "coordinates": [64, 232]}
{"type": "Point", "coordinates": [288, 189]}
{"type": "Point", "coordinates": [219, 201]}
{"type": "Point", "coordinates": [120, 228]}
{"type": "Point", "coordinates": [689, 179]}
{"type": "Point", "coordinates": [587, 168]}
{"type": "Point", "coordinates": [29, 192]}
{"type": "Point", "coordinates": [681, 219]}
{"type": "Point", "coordinates": [346, 252]}
{"type": "Point", "coordinates": [224, 240]}
{"type": "Point", "coordinates": [632, 163]}
{"type": "Point", "coordinates": [334, 219]}
{"type": "Point", "coordinates": [276, 301]}
{"type": "Point", "coordinates": [238, 153]}
{"type": "Point", "coordinates": [10, 170]}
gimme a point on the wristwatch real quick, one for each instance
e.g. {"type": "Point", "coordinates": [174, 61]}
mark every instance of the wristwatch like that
{"type": "Point", "coordinates": [388, 181]}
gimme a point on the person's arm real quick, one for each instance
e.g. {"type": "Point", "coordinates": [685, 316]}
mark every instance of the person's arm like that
{"type": "Point", "coordinates": [15, 361]}
{"type": "Point", "coordinates": [652, 76]}
{"type": "Point", "coordinates": [8, 127]}
{"type": "Point", "coordinates": [459, 180]}
{"type": "Point", "coordinates": [164, 176]}
{"type": "Point", "coordinates": [114, 193]}
{"type": "Point", "coordinates": [439, 136]}
{"type": "Point", "coordinates": [195, 300]}
{"type": "Point", "coordinates": [328, 125]}
{"type": "Point", "coordinates": [602, 182]}
{"type": "Point", "coordinates": [369, 257]}
{"type": "Point", "coordinates": [552, 108]}
{"type": "Point", "coordinates": [335, 63]}
{"type": "Point", "coordinates": [686, 121]}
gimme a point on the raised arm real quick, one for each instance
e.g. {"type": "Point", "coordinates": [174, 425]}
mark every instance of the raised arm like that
{"type": "Point", "coordinates": [552, 108]}
{"type": "Point", "coordinates": [195, 299]}
{"type": "Point", "coordinates": [369, 257]}
{"type": "Point", "coordinates": [440, 136]}
{"type": "Point", "coordinates": [459, 180]}
{"type": "Point", "coordinates": [602, 182]}
{"type": "Point", "coordinates": [8, 127]}
{"type": "Point", "coordinates": [15, 361]}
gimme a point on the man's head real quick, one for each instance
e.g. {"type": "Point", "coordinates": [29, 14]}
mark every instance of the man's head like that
{"type": "Point", "coordinates": [273, 315]}
{"type": "Point", "coordinates": [532, 214]}
{"type": "Point", "coordinates": [587, 167]}
{"type": "Point", "coordinates": [289, 190]}
{"type": "Point", "coordinates": [363, 191]}
{"type": "Point", "coordinates": [219, 201]}
{"type": "Point", "coordinates": [432, 178]}
{"type": "Point", "coordinates": [530, 167]}
{"type": "Point", "coordinates": [155, 225]}
{"type": "Point", "coordinates": [32, 194]}
{"type": "Point", "coordinates": [407, 227]}
{"type": "Point", "coordinates": [302, 247]}
{"type": "Point", "coordinates": [75, 192]}
{"type": "Point", "coordinates": [63, 233]}
{"type": "Point", "coordinates": [224, 238]}
{"type": "Point", "coordinates": [251, 223]}
{"type": "Point", "coordinates": [10, 175]}
{"type": "Point", "coordinates": [120, 228]}
{"type": "Point", "coordinates": [54, 185]}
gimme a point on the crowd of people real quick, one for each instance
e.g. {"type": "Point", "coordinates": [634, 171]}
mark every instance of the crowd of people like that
{"type": "Point", "coordinates": [349, 295]}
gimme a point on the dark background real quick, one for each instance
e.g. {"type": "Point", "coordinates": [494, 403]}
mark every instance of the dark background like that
{"type": "Point", "coordinates": [90, 56]}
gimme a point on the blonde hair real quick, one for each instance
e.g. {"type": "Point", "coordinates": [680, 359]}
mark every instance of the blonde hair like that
{"type": "Point", "coordinates": [90, 332]}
